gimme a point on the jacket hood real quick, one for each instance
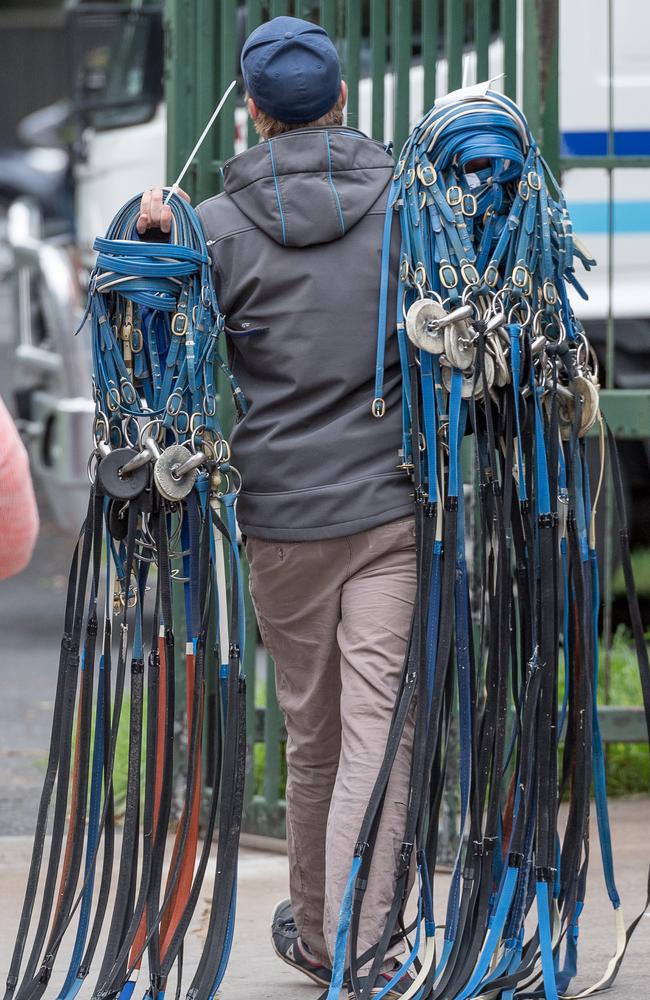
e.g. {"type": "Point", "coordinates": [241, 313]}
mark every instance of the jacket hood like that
{"type": "Point", "coordinates": [309, 186]}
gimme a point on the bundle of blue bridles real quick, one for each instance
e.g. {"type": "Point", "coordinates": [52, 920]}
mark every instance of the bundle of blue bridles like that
{"type": "Point", "coordinates": [161, 512]}
{"type": "Point", "coordinates": [493, 355]}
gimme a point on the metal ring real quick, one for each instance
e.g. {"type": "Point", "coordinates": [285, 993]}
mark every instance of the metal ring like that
{"type": "Point", "coordinates": [92, 476]}
{"type": "Point", "coordinates": [127, 423]}
{"type": "Point", "coordinates": [209, 404]}
{"type": "Point", "coordinates": [378, 407]}
{"type": "Point", "coordinates": [227, 454]}
{"type": "Point", "coordinates": [101, 418]}
{"type": "Point", "coordinates": [154, 422]}
{"type": "Point", "coordinates": [236, 476]}
{"type": "Point", "coordinates": [172, 410]}
{"type": "Point", "coordinates": [182, 430]}
{"type": "Point", "coordinates": [512, 317]}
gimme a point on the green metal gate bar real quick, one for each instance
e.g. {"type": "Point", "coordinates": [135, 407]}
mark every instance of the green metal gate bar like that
{"type": "Point", "coordinates": [203, 40]}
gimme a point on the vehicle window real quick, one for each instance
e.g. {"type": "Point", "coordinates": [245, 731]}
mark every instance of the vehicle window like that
{"type": "Point", "coordinates": [120, 59]}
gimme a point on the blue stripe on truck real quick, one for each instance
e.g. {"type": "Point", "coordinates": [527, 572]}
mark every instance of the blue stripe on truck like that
{"type": "Point", "coordinates": [592, 216]}
{"type": "Point", "coordinates": [632, 142]}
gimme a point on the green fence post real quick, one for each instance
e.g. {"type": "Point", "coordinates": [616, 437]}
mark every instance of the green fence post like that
{"type": "Point", "coordinates": [179, 86]}
{"type": "Point", "coordinates": [279, 7]}
{"type": "Point", "coordinates": [482, 38]}
{"type": "Point", "coordinates": [508, 20]}
{"type": "Point", "coordinates": [305, 9]}
{"type": "Point", "coordinates": [328, 17]}
{"type": "Point", "coordinates": [531, 76]}
{"type": "Point", "coordinates": [353, 44]}
{"type": "Point", "coordinates": [253, 20]}
{"type": "Point", "coordinates": [228, 69]}
{"type": "Point", "coordinates": [454, 42]}
{"type": "Point", "coordinates": [430, 42]}
{"type": "Point", "coordinates": [207, 84]}
{"type": "Point", "coordinates": [378, 39]}
{"type": "Point", "coordinates": [402, 31]}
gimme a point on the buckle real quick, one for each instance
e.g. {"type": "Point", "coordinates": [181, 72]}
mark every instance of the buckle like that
{"type": "Point", "coordinates": [137, 340]}
{"type": "Point", "coordinates": [179, 324]}
{"type": "Point", "coordinates": [523, 190]}
{"type": "Point", "coordinates": [534, 180]}
{"type": "Point", "coordinates": [469, 200]}
{"type": "Point", "coordinates": [378, 407]}
{"type": "Point", "coordinates": [427, 174]}
{"type": "Point", "coordinates": [454, 196]}
{"type": "Point", "coordinates": [491, 275]}
{"type": "Point", "coordinates": [410, 177]}
{"type": "Point", "coordinates": [469, 273]}
{"type": "Point", "coordinates": [448, 276]}
{"type": "Point", "coordinates": [520, 276]}
{"type": "Point", "coordinates": [399, 170]}
{"type": "Point", "coordinates": [113, 399]}
{"type": "Point", "coordinates": [129, 395]}
{"type": "Point", "coordinates": [420, 275]}
{"type": "Point", "coordinates": [549, 292]}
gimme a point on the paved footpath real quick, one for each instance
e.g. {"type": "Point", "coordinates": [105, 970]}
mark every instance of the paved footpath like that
{"type": "Point", "coordinates": [256, 974]}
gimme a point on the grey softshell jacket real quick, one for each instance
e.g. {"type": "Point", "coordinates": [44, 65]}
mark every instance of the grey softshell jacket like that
{"type": "Point", "coordinates": [296, 241]}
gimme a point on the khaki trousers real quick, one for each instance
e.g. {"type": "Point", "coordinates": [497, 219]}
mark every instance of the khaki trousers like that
{"type": "Point", "coordinates": [335, 617]}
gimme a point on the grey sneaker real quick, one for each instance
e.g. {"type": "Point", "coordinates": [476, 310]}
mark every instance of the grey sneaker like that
{"type": "Point", "coordinates": [394, 993]}
{"type": "Point", "coordinates": [288, 946]}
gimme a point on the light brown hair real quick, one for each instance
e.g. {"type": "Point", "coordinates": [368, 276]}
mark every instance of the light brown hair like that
{"type": "Point", "coordinates": [268, 127]}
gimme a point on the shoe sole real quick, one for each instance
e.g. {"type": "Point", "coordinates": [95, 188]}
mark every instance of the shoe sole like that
{"type": "Point", "coordinates": [299, 968]}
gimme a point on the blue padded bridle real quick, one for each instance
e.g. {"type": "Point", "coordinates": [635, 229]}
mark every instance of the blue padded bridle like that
{"type": "Point", "coordinates": [161, 515]}
{"type": "Point", "coordinates": [493, 354]}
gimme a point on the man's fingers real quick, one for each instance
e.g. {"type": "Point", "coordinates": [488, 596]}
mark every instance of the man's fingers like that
{"type": "Point", "coordinates": [154, 214]}
{"type": "Point", "coordinates": [145, 213]}
{"type": "Point", "coordinates": [156, 207]}
{"type": "Point", "coordinates": [166, 218]}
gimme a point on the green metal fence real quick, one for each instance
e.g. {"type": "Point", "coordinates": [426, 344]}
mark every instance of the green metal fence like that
{"type": "Point", "coordinates": [382, 43]}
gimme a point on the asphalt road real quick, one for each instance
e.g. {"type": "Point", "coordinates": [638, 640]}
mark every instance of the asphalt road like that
{"type": "Point", "coordinates": [31, 614]}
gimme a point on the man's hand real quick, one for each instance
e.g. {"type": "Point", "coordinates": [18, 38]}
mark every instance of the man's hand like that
{"type": "Point", "coordinates": [153, 213]}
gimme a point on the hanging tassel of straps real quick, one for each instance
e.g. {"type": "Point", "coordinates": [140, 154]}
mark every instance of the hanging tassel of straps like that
{"type": "Point", "coordinates": [493, 355]}
{"type": "Point", "coordinates": [161, 515]}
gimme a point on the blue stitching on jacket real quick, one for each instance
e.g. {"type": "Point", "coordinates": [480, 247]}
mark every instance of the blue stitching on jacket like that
{"type": "Point", "coordinates": [331, 182]}
{"type": "Point", "coordinates": [277, 193]}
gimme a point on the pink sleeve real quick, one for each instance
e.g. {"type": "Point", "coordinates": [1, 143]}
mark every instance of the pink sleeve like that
{"type": "Point", "coordinates": [18, 510]}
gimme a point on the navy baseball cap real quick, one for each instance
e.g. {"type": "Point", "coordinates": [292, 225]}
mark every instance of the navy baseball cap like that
{"type": "Point", "coordinates": [291, 69]}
